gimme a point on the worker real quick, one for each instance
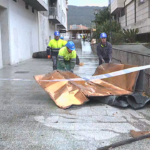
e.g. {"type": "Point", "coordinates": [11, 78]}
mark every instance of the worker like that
{"type": "Point", "coordinates": [67, 57]}
{"type": "Point", "coordinates": [84, 38]}
{"type": "Point", "coordinates": [104, 50]}
{"type": "Point", "coordinates": [53, 48]}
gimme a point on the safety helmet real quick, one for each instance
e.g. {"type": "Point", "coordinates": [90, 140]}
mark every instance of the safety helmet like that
{"type": "Point", "coordinates": [70, 45]}
{"type": "Point", "coordinates": [62, 37]}
{"type": "Point", "coordinates": [103, 35]}
{"type": "Point", "coordinates": [56, 33]}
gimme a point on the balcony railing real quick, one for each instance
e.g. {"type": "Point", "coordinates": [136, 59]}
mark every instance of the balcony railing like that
{"type": "Point", "coordinates": [53, 12]}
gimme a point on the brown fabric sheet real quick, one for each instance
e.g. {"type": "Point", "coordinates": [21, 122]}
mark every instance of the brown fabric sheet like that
{"type": "Point", "coordinates": [126, 82]}
{"type": "Point", "coordinates": [67, 93]}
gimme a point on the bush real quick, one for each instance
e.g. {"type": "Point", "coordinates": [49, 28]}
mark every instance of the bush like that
{"type": "Point", "coordinates": [130, 35]}
{"type": "Point", "coordinates": [118, 38]}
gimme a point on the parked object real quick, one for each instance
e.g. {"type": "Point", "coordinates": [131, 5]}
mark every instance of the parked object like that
{"type": "Point", "coordinates": [43, 54]}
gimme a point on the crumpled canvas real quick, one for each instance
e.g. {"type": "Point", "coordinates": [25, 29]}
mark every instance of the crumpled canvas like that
{"type": "Point", "coordinates": [68, 93]}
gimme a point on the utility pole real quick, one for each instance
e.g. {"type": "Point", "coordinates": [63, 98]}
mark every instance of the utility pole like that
{"type": "Point", "coordinates": [109, 6]}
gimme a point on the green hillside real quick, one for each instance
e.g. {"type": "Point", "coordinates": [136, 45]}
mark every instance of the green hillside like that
{"type": "Point", "coordinates": [81, 15]}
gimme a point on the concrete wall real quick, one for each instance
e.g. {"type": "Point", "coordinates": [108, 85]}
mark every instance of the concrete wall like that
{"type": "Point", "coordinates": [142, 16]}
{"type": "Point", "coordinates": [126, 57]}
{"type": "Point", "coordinates": [25, 32]}
{"type": "Point", "coordinates": [127, 2]}
{"type": "Point", "coordinates": [4, 3]}
{"type": "Point", "coordinates": [130, 13]}
{"type": "Point", "coordinates": [23, 26]}
{"type": "Point", "coordinates": [116, 4]}
{"type": "Point", "coordinates": [122, 21]}
{"type": "Point", "coordinates": [142, 11]}
{"type": "Point", "coordinates": [4, 22]}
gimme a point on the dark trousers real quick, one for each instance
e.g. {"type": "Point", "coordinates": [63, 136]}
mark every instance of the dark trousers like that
{"type": "Point", "coordinates": [54, 59]}
{"type": "Point", "coordinates": [106, 61]}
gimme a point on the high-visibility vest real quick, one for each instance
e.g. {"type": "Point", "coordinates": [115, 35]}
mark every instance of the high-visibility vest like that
{"type": "Point", "coordinates": [57, 43]}
{"type": "Point", "coordinates": [65, 55]}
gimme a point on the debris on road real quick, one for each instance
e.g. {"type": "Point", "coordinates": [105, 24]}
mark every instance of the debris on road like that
{"type": "Point", "coordinates": [81, 64]}
{"type": "Point", "coordinates": [138, 133]}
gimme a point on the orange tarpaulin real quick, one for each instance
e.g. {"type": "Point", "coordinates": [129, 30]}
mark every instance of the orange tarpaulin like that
{"type": "Point", "coordinates": [67, 93]}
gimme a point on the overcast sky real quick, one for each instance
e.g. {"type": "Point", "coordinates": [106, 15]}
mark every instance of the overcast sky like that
{"type": "Point", "coordinates": [88, 2]}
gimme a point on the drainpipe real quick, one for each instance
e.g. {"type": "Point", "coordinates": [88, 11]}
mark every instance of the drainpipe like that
{"type": "Point", "coordinates": [110, 21]}
{"type": "Point", "coordinates": [148, 9]}
{"type": "Point", "coordinates": [134, 11]}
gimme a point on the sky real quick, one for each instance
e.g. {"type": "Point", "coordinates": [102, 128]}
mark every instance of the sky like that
{"type": "Point", "coordinates": [88, 2]}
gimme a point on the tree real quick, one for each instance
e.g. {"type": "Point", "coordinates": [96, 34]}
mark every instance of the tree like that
{"type": "Point", "coordinates": [103, 15]}
{"type": "Point", "coordinates": [117, 35]}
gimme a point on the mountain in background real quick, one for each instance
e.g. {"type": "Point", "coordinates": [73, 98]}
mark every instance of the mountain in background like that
{"type": "Point", "coordinates": [81, 15]}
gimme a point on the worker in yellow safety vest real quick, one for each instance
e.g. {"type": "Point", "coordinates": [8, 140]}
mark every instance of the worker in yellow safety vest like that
{"type": "Point", "coordinates": [53, 48]}
{"type": "Point", "coordinates": [67, 57]}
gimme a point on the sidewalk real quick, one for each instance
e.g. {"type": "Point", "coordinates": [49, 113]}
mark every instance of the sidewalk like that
{"type": "Point", "coordinates": [29, 119]}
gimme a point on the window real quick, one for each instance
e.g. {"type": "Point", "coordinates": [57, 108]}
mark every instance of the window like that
{"type": "Point", "coordinates": [122, 13]}
{"type": "Point", "coordinates": [15, 0]}
{"type": "Point", "coordinates": [141, 1]}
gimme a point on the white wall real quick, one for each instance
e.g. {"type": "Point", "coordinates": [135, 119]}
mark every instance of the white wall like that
{"type": "Point", "coordinates": [23, 25]}
{"type": "Point", "coordinates": [62, 15]}
{"type": "Point", "coordinates": [46, 31]}
{"type": "Point", "coordinates": [1, 62]}
{"type": "Point", "coordinates": [51, 30]}
{"type": "Point", "coordinates": [4, 3]}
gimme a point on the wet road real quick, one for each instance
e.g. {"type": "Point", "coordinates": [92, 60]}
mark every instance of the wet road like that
{"type": "Point", "coordinates": [89, 59]}
{"type": "Point", "coordinates": [29, 119]}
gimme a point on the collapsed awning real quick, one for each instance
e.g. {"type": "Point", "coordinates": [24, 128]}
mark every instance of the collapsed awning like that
{"type": "Point", "coordinates": [118, 91]}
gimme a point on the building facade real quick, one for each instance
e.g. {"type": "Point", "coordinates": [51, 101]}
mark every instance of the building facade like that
{"type": "Point", "coordinates": [132, 14]}
{"type": "Point", "coordinates": [26, 27]}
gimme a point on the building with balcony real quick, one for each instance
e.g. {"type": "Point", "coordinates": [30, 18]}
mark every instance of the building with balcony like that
{"type": "Point", "coordinates": [58, 13]}
{"type": "Point", "coordinates": [26, 27]}
{"type": "Point", "coordinates": [132, 14]}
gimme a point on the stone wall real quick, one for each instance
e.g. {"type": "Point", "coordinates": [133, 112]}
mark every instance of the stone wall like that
{"type": "Point", "coordinates": [126, 57]}
{"type": "Point", "coordinates": [132, 58]}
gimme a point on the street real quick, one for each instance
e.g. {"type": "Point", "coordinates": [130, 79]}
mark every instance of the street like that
{"type": "Point", "coordinates": [29, 119]}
